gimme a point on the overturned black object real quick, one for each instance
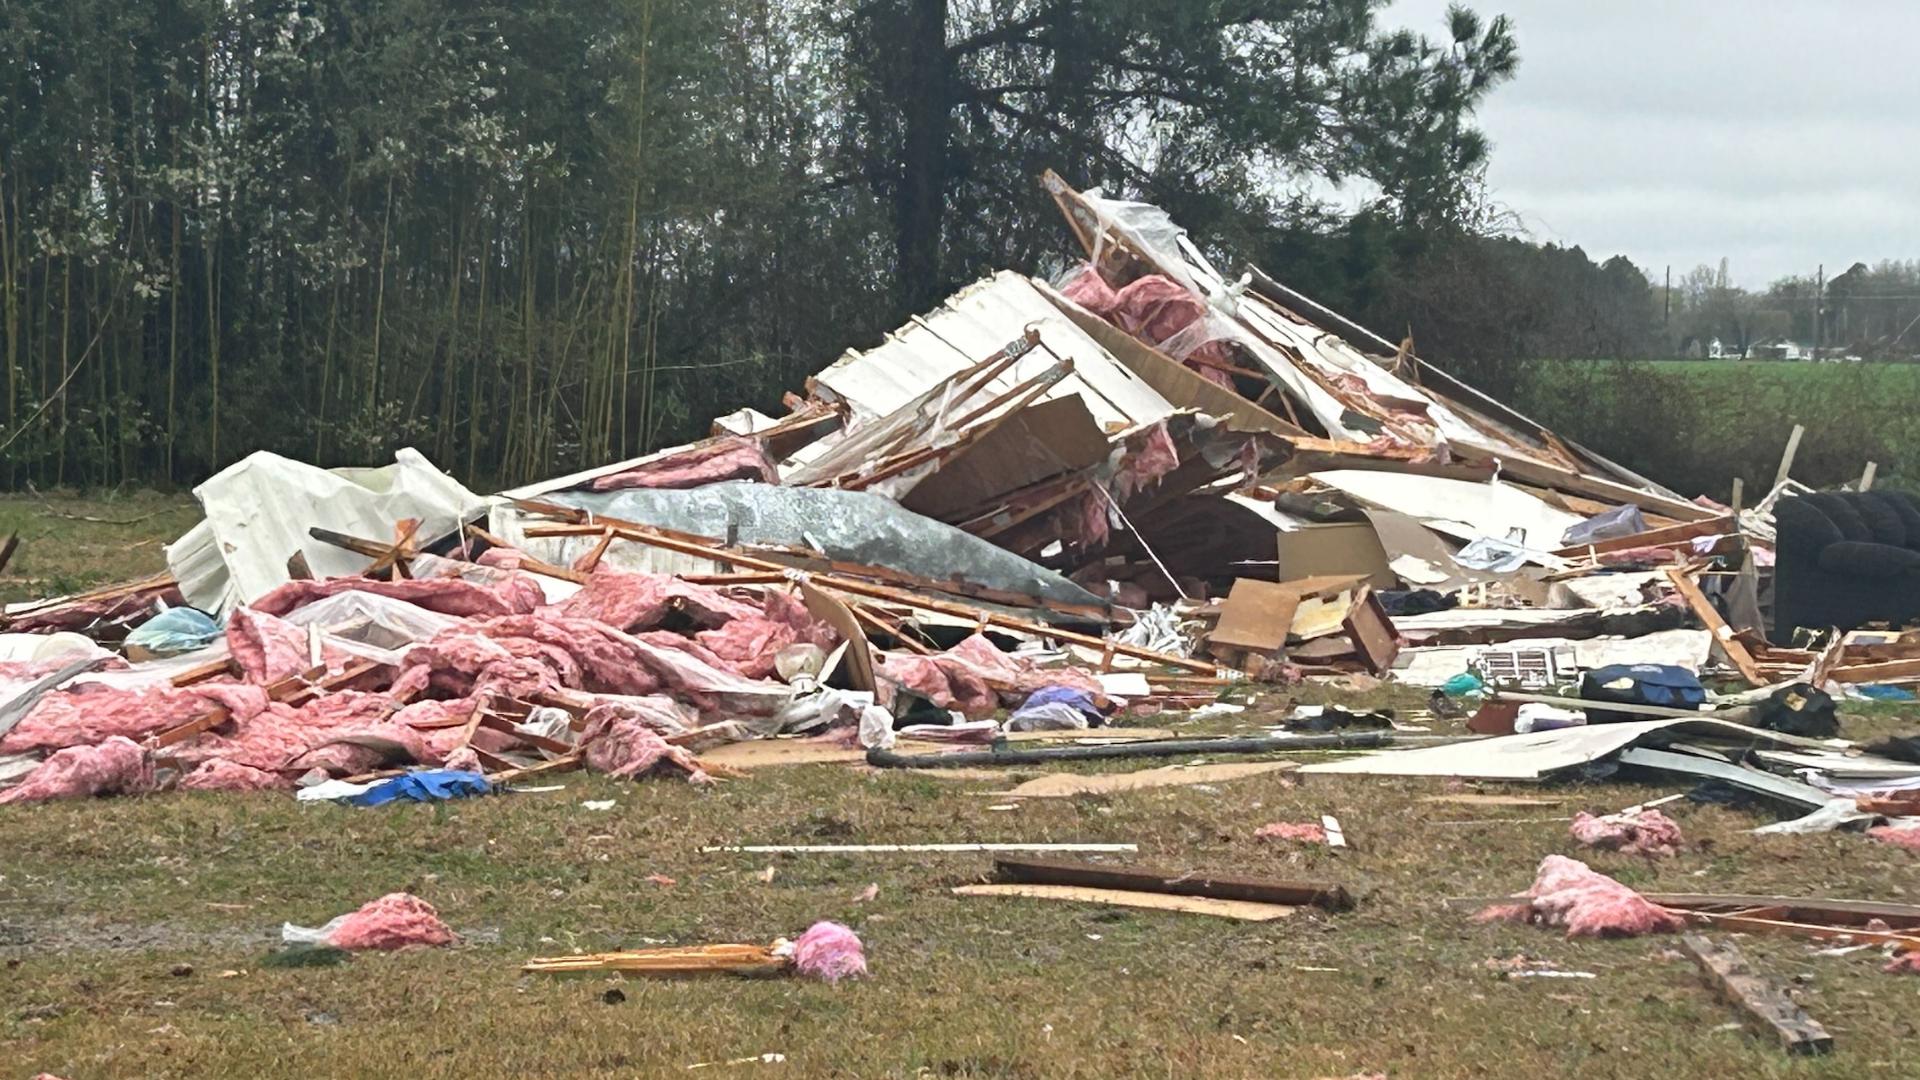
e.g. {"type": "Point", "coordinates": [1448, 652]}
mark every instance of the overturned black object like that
{"type": "Point", "coordinates": [1801, 710]}
{"type": "Point", "coordinates": [887, 759]}
{"type": "Point", "coordinates": [1845, 559]}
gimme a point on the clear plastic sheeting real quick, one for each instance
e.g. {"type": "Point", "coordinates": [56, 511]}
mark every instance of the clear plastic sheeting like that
{"type": "Point", "coordinates": [850, 526]}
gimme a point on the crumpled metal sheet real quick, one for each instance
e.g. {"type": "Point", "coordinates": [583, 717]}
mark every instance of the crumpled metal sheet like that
{"type": "Point", "coordinates": [850, 526]}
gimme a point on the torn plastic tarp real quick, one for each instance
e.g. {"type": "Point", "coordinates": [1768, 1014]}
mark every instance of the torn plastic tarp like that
{"type": "Point", "coordinates": [260, 508]}
{"type": "Point", "coordinates": [851, 526]}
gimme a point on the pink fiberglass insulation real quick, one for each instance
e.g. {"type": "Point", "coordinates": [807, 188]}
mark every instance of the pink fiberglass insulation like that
{"type": "Point", "coordinates": [1304, 832]}
{"type": "Point", "coordinates": [1155, 308]}
{"type": "Point", "coordinates": [118, 766]}
{"type": "Point", "coordinates": [1149, 456]}
{"type": "Point", "coordinates": [1648, 832]}
{"type": "Point", "coordinates": [965, 676]}
{"type": "Point", "coordinates": [395, 921]}
{"type": "Point", "coordinates": [748, 645]}
{"type": "Point", "coordinates": [1907, 963]}
{"type": "Point", "coordinates": [266, 647]}
{"type": "Point", "coordinates": [31, 671]}
{"type": "Point", "coordinates": [619, 743]}
{"type": "Point", "coordinates": [830, 952]}
{"type": "Point", "coordinates": [219, 774]}
{"type": "Point", "coordinates": [729, 457]}
{"type": "Point", "coordinates": [502, 558]}
{"type": "Point", "coordinates": [279, 734]}
{"type": "Point", "coordinates": [938, 679]}
{"type": "Point", "coordinates": [1021, 676]}
{"type": "Point", "coordinates": [631, 601]}
{"type": "Point", "coordinates": [463, 759]}
{"type": "Point", "coordinates": [84, 716]}
{"type": "Point", "coordinates": [1908, 837]}
{"type": "Point", "coordinates": [1091, 291]}
{"type": "Point", "coordinates": [1566, 892]}
{"type": "Point", "coordinates": [514, 594]}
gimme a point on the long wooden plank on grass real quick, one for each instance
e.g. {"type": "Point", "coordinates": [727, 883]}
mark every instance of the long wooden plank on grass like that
{"type": "Point", "coordinates": [1245, 910]}
{"type": "Point", "coordinates": [1723, 634]}
{"type": "Point", "coordinates": [1326, 894]}
{"type": "Point", "coordinates": [1766, 1006]}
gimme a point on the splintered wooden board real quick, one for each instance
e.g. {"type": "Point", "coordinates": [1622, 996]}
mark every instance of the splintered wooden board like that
{"type": "Point", "coordinates": [1066, 785]}
{"type": "Point", "coordinates": [1244, 910]}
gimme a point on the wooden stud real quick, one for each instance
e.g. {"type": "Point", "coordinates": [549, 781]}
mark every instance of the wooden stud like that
{"type": "Point", "coordinates": [1766, 1006]}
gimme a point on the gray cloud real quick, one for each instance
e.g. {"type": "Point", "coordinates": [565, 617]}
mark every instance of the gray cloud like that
{"type": "Point", "coordinates": [1778, 134]}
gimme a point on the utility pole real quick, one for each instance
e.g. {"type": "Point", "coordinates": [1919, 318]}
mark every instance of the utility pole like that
{"type": "Point", "coordinates": [1819, 286]}
{"type": "Point", "coordinates": [1667, 320]}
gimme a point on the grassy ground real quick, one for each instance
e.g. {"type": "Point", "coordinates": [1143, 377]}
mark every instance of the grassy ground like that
{"type": "Point", "coordinates": [61, 552]}
{"type": "Point", "coordinates": [137, 938]}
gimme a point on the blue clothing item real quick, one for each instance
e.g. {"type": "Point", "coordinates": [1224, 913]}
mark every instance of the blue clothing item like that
{"type": "Point", "coordinates": [423, 785]}
{"type": "Point", "coordinates": [175, 630]}
{"type": "Point", "coordinates": [1462, 684]}
{"type": "Point", "coordinates": [1079, 700]}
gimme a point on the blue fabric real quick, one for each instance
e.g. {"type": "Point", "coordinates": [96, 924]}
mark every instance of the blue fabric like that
{"type": "Point", "coordinates": [1078, 700]}
{"type": "Point", "coordinates": [1882, 692]}
{"type": "Point", "coordinates": [1644, 684]}
{"type": "Point", "coordinates": [175, 630]}
{"type": "Point", "coordinates": [1462, 684]}
{"type": "Point", "coordinates": [423, 785]}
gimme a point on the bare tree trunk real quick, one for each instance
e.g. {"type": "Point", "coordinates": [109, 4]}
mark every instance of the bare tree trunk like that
{"type": "Point", "coordinates": [920, 206]}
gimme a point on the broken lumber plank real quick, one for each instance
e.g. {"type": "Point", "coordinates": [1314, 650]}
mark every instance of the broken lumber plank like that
{"type": "Point", "coordinates": [1766, 1006]}
{"type": "Point", "coordinates": [1244, 910]}
{"type": "Point", "coordinates": [674, 960]}
{"type": "Point", "coordinates": [1333, 897]}
{"type": "Point", "coordinates": [1799, 909]}
{"type": "Point", "coordinates": [1672, 534]}
{"type": "Point", "coordinates": [1723, 634]}
{"type": "Point", "coordinates": [1888, 671]}
{"type": "Point", "coordinates": [655, 538]}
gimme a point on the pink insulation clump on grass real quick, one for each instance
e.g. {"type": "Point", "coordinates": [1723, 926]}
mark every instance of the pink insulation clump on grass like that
{"type": "Point", "coordinates": [1304, 832]}
{"type": "Point", "coordinates": [1907, 963]}
{"type": "Point", "coordinates": [1567, 893]}
{"type": "Point", "coordinates": [118, 766]}
{"type": "Point", "coordinates": [830, 952]}
{"type": "Point", "coordinates": [395, 921]}
{"type": "Point", "coordinates": [1649, 832]}
{"type": "Point", "coordinates": [1908, 837]}
{"type": "Point", "coordinates": [620, 741]}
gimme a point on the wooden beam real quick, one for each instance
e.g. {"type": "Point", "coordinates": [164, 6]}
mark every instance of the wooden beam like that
{"type": "Point", "coordinates": [1723, 634]}
{"type": "Point", "coordinates": [1786, 457]}
{"type": "Point", "coordinates": [1890, 671]}
{"type": "Point", "coordinates": [1688, 530]}
{"type": "Point", "coordinates": [1765, 1005]}
{"type": "Point", "coordinates": [1327, 895]}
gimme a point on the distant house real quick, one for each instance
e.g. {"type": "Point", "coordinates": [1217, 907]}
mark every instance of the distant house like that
{"type": "Point", "coordinates": [1781, 349]}
{"type": "Point", "coordinates": [1718, 350]}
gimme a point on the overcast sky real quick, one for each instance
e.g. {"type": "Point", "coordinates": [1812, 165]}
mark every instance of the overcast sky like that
{"type": "Point", "coordinates": [1779, 134]}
